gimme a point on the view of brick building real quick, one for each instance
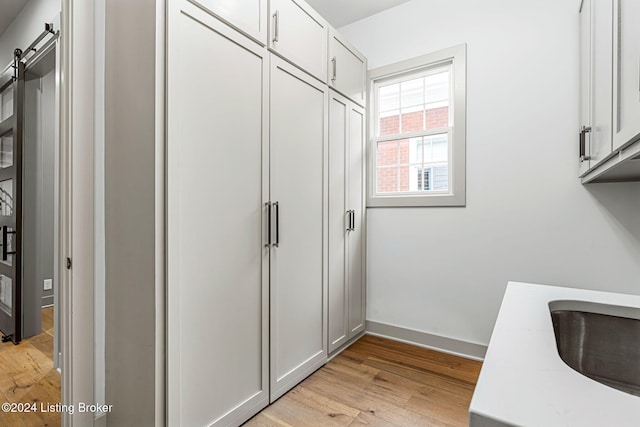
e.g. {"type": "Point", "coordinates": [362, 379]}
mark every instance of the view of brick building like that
{"type": "Point", "coordinates": [419, 162]}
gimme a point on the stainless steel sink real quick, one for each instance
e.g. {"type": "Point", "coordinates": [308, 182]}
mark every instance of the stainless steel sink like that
{"type": "Point", "coordinates": [602, 347]}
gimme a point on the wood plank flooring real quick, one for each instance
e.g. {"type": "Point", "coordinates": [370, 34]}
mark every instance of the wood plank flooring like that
{"type": "Point", "coordinates": [375, 382]}
{"type": "Point", "coordinates": [379, 382]}
{"type": "Point", "coordinates": [27, 376]}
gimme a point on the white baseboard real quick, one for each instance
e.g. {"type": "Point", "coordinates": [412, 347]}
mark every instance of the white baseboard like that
{"type": "Point", "coordinates": [423, 339]}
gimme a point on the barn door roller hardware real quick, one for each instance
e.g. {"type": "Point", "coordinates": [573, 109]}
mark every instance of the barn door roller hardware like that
{"type": "Point", "coordinates": [20, 55]}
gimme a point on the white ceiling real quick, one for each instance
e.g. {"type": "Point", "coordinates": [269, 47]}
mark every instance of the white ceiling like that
{"type": "Point", "coordinates": [9, 9]}
{"type": "Point", "coordinates": [343, 12]}
{"type": "Point", "coordinates": [337, 12]}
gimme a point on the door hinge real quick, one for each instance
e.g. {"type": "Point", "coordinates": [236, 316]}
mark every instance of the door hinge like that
{"type": "Point", "coordinates": [68, 263]}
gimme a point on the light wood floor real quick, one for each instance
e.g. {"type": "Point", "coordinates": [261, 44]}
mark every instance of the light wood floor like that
{"type": "Point", "coordinates": [27, 376]}
{"type": "Point", "coordinates": [379, 382]}
{"type": "Point", "coordinates": [375, 382]}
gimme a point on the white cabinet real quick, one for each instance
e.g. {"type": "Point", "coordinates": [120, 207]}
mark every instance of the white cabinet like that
{"type": "Point", "coordinates": [609, 90]}
{"type": "Point", "coordinates": [626, 72]}
{"type": "Point", "coordinates": [356, 203]}
{"type": "Point", "coordinates": [596, 40]}
{"type": "Point", "coordinates": [298, 34]}
{"type": "Point", "coordinates": [339, 222]}
{"type": "Point", "coordinates": [585, 88]}
{"type": "Point", "coordinates": [248, 208]}
{"type": "Point", "coordinates": [346, 221]}
{"type": "Point", "coordinates": [298, 150]}
{"type": "Point", "coordinates": [217, 184]}
{"type": "Point", "coordinates": [347, 69]}
{"type": "Point", "coordinates": [248, 16]}
{"type": "Point", "coordinates": [601, 80]}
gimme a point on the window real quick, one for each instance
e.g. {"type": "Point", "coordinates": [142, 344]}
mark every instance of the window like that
{"type": "Point", "coordinates": [418, 131]}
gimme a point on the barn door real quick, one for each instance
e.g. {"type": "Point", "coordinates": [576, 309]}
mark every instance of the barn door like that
{"type": "Point", "coordinates": [11, 117]}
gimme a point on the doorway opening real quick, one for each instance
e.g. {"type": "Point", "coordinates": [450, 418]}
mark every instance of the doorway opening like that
{"type": "Point", "coordinates": [29, 217]}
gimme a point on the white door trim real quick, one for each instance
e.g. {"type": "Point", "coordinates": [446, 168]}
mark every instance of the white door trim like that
{"type": "Point", "coordinates": [77, 208]}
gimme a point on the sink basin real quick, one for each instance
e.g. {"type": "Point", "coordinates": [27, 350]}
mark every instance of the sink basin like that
{"type": "Point", "coordinates": [605, 348]}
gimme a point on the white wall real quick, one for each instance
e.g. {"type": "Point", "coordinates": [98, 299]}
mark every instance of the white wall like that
{"type": "Point", "coordinates": [99, 297]}
{"type": "Point", "coordinates": [444, 270]}
{"type": "Point", "coordinates": [134, 287]}
{"type": "Point", "coordinates": [26, 27]}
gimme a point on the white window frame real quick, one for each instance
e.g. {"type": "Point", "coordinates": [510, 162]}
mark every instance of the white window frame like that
{"type": "Point", "coordinates": [456, 58]}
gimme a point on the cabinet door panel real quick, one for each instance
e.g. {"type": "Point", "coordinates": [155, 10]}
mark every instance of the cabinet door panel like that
{"type": "Point", "coordinates": [298, 132]}
{"type": "Point", "coordinates": [585, 79]}
{"type": "Point", "coordinates": [347, 69]}
{"type": "Point", "coordinates": [626, 71]}
{"type": "Point", "coordinates": [299, 34]}
{"type": "Point", "coordinates": [217, 264]}
{"type": "Point", "coordinates": [338, 115]}
{"type": "Point", "coordinates": [356, 236]}
{"type": "Point", "coordinates": [248, 16]}
{"type": "Point", "coordinates": [602, 80]}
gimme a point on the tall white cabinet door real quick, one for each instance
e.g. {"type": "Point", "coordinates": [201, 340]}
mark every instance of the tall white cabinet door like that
{"type": "Point", "coordinates": [218, 296]}
{"type": "Point", "coordinates": [356, 238]}
{"type": "Point", "coordinates": [338, 221]}
{"type": "Point", "coordinates": [248, 16]}
{"type": "Point", "coordinates": [602, 79]}
{"type": "Point", "coordinates": [585, 84]}
{"type": "Point", "coordinates": [626, 72]}
{"type": "Point", "coordinates": [298, 136]}
{"type": "Point", "coordinates": [346, 220]}
{"type": "Point", "coordinates": [347, 69]}
{"type": "Point", "coordinates": [299, 34]}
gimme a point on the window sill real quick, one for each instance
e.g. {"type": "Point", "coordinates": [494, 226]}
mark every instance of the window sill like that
{"type": "Point", "coordinates": [432, 200]}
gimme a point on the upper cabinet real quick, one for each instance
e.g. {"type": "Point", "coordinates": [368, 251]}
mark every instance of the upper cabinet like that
{"type": "Point", "coordinates": [626, 71]}
{"type": "Point", "coordinates": [247, 16]}
{"type": "Point", "coordinates": [601, 79]}
{"type": "Point", "coordinates": [596, 82]}
{"type": "Point", "coordinates": [585, 88]}
{"type": "Point", "coordinates": [299, 34]}
{"type": "Point", "coordinates": [609, 134]}
{"type": "Point", "coordinates": [347, 69]}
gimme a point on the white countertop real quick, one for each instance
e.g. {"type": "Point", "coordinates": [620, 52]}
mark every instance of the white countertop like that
{"type": "Point", "coordinates": [524, 381]}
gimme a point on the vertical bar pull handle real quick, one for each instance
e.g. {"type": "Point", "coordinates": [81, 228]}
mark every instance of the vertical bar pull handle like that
{"type": "Point", "coordinates": [351, 220]}
{"type": "Point", "coordinates": [276, 27]}
{"type": "Point", "coordinates": [334, 61]}
{"type": "Point", "coordinates": [277, 242]}
{"type": "Point", "coordinates": [268, 206]}
{"type": "Point", "coordinates": [583, 135]}
{"type": "Point", "coordinates": [4, 243]}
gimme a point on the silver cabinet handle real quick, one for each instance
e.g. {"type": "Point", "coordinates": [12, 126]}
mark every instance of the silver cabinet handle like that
{"type": "Point", "coordinates": [582, 143]}
{"type": "Point", "coordinates": [334, 61]}
{"type": "Point", "coordinates": [351, 220]}
{"type": "Point", "coordinates": [276, 205]}
{"type": "Point", "coordinates": [268, 206]}
{"type": "Point", "coordinates": [276, 25]}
